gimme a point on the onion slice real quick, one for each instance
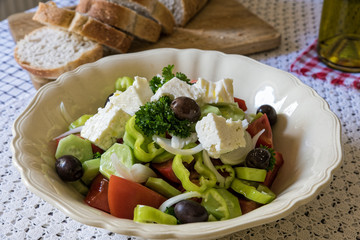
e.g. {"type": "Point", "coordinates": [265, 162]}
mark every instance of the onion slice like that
{"type": "Point", "coordinates": [178, 198]}
{"type": "Point", "coordinates": [256, 137]}
{"type": "Point", "coordinates": [166, 144]}
{"type": "Point", "coordinates": [137, 173]}
{"type": "Point", "coordinates": [71, 131]}
{"type": "Point", "coordinates": [141, 172]}
{"type": "Point", "coordinates": [121, 169]}
{"type": "Point", "coordinates": [65, 113]}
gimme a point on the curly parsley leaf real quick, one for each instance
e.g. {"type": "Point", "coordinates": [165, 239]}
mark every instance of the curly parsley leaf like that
{"type": "Point", "coordinates": [157, 118]}
{"type": "Point", "coordinates": [155, 83]}
{"type": "Point", "coordinates": [167, 74]}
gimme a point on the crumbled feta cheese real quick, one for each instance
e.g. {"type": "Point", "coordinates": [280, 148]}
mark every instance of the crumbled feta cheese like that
{"type": "Point", "coordinates": [219, 135]}
{"type": "Point", "coordinates": [132, 98]}
{"type": "Point", "coordinates": [176, 88]}
{"type": "Point", "coordinates": [216, 92]}
{"type": "Point", "coordinates": [106, 126]}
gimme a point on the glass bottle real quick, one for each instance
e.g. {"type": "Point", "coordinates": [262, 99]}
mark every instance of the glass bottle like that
{"type": "Point", "coordinates": [339, 35]}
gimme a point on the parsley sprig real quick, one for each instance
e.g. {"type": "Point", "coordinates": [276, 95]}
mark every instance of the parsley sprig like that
{"type": "Point", "coordinates": [157, 118]}
{"type": "Point", "coordinates": [167, 74]}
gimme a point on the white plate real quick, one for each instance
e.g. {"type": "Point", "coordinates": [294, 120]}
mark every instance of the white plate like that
{"type": "Point", "coordinates": [307, 133]}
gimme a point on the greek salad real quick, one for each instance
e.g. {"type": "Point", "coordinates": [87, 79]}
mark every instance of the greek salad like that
{"type": "Point", "coordinates": [171, 150]}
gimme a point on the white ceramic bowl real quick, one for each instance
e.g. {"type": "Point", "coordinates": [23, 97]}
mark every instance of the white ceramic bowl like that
{"type": "Point", "coordinates": [307, 134]}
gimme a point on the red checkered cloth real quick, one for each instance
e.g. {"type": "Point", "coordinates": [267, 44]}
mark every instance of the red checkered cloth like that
{"type": "Point", "coordinates": [308, 64]}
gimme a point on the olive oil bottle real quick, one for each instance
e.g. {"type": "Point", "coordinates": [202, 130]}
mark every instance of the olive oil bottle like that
{"type": "Point", "coordinates": [339, 35]}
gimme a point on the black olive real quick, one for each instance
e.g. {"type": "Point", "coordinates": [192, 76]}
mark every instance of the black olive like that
{"type": "Point", "coordinates": [108, 99]}
{"type": "Point", "coordinates": [270, 112]}
{"type": "Point", "coordinates": [258, 158]}
{"type": "Point", "coordinates": [69, 168]}
{"type": "Point", "coordinates": [185, 108]}
{"type": "Point", "coordinates": [189, 211]}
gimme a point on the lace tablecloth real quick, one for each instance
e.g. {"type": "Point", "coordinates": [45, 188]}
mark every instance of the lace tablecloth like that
{"type": "Point", "coordinates": [333, 214]}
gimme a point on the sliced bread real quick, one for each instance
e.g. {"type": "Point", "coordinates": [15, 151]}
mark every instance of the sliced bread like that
{"type": "Point", "coordinates": [122, 18]}
{"type": "Point", "coordinates": [49, 14]}
{"type": "Point", "coordinates": [184, 10]}
{"type": "Point", "coordinates": [102, 33]}
{"type": "Point", "coordinates": [48, 52]}
{"type": "Point", "coordinates": [151, 9]}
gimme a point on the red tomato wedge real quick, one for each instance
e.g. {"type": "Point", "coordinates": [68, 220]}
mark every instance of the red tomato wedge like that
{"type": "Point", "coordinates": [165, 170]}
{"type": "Point", "coordinates": [125, 195]}
{"type": "Point", "coordinates": [97, 196]}
{"type": "Point", "coordinates": [259, 124]}
{"type": "Point", "coordinates": [271, 175]}
{"type": "Point", "coordinates": [241, 103]}
{"type": "Point", "coordinates": [248, 205]}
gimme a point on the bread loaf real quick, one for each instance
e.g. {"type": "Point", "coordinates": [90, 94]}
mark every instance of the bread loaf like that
{"type": "Point", "coordinates": [49, 14]}
{"type": "Point", "coordinates": [48, 52]}
{"type": "Point", "coordinates": [102, 33]}
{"type": "Point", "coordinates": [122, 18]}
{"type": "Point", "coordinates": [183, 10]}
{"type": "Point", "coordinates": [151, 9]}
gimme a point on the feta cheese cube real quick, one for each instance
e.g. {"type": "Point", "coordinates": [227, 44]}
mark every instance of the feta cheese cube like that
{"type": "Point", "coordinates": [106, 126]}
{"type": "Point", "coordinates": [177, 88]}
{"type": "Point", "coordinates": [219, 135]}
{"type": "Point", "coordinates": [132, 98]}
{"type": "Point", "coordinates": [216, 92]}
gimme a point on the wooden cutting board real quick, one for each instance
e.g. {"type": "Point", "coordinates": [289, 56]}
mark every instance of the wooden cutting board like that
{"type": "Point", "coordinates": [223, 25]}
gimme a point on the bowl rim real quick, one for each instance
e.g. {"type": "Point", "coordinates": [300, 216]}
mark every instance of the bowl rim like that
{"type": "Point", "coordinates": [175, 231]}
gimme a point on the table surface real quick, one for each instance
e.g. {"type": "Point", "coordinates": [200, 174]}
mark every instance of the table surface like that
{"type": "Point", "coordinates": [333, 214]}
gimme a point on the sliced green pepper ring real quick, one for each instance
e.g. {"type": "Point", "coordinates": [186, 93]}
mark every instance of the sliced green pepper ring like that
{"type": "Point", "coordinates": [146, 214]}
{"type": "Point", "coordinates": [256, 192]}
{"type": "Point", "coordinates": [228, 180]}
{"type": "Point", "coordinates": [251, 174]}
{"type": "Point", "coordinates": [161, 186]}
{"type": "Point", "coordinates": [221, 204]}
{"type": "Point", "coordinates": [144, 149]}
{"type": "Point", "coordinates": [207, 178]}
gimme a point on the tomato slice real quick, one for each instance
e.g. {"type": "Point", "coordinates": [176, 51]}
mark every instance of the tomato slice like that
{"type": "Point", "coordinates": [241, 103]}
{"type": "Point", "coordinates": [247, 205]}
{"type": "Point", "coordinates": [97, 196]}
{"type": "Point", "coordinates": [271, 175]}
{"type": "Point", "coordinates": [259, 124]}
{"type": "Point", "coordinates": [166, 171]}
{"type": "Point", "coordinates": [124, 195]}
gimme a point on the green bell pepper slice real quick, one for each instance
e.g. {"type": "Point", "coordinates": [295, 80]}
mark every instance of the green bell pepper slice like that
{"type": "Point", "coordinates": [221, 204]}
{"type": "Point", "coordinates": [254, 191]}
{"type": "Point", "coordinates": [123, 83]}
{"type": "Point", "coordinates": [207, 177]}
{"type": "Point", "coordinates": [80, 121]}
{"type": "Point", "coordinates": [251, 174]}
{"type": "Point", "coordinates": [159, 185]}
{"type": "Point", "coordinates": [145, 150]}
{"type": "Point", "coordinates": [146, 214]}
{"type": "Point", "coordinates": [228, 179]}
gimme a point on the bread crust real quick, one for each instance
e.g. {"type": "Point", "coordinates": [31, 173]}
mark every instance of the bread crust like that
{"type": "Point", "coordinates": [49, 14]}
{"type": "Point", "coordinates": [157, 11]}
{"type": "Point", "coordinates": [191, 8]}
{"type": "Point", "coordinates": [161, 14]}
{"type": "Point", "coordinates": [102, 33]}
{"type": "Point", "coordinates": [52, 73]}
{"type": "Point", "coordinates": [125, 19]}
{"type": "Point", "coordinates": [184, 10]}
